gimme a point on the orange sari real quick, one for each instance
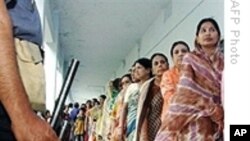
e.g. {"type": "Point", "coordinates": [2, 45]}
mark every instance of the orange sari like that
{"type": "Point", "coordinates": [168, 85]}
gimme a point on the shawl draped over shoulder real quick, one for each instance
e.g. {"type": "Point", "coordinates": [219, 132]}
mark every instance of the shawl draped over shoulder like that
{"type": "Point", "coordinates": [191, 111]}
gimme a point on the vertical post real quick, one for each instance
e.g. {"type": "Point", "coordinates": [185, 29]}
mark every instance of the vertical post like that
{"type": "Point", "coordinates": [64, 91]}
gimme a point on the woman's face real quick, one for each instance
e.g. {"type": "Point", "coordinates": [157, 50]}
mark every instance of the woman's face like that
{"type": "Point", "coordinates": [101, 100]}
{"type": "Point", "coordinates": [159, 65]}
{"type": "Point", "coordinates": [125, 82]}
{"type": "Point", "coordinates": [141, 72]}
{"type": "Point", "coordinates": [88, 104]}
{"type": "Point", "coordinates": [208, 35]}
{"type": "Point", "coordinates": [179, 51]}
{"type": "Point", "coordinates": [134, 79]}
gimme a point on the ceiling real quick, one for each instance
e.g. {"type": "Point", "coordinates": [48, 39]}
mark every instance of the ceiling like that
{"type": "Point", "coordinates": [101, 33]}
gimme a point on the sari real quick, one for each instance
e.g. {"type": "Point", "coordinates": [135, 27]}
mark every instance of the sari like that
{"type": "Point", "coordinates": [168, 85]}
{"type": "Point", "coordinates": [116, 114]}
{"type": "Point", "coordinates": [131, 98]}
{"type": "Point", "coordinates": [106, 118]}
{"type": "Point", "coordinates": [149, 111]}
{"type": "Point", "coordinates": [193, 110]}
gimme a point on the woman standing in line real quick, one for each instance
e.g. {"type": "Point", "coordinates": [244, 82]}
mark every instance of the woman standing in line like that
{"type": "Point", "coordinates": [129, 111]}
{"type": "Point", "coordinates": [126, 80]}
{"type": "Point", "coordinates": [195, 111]}
{"type": "Point", "coordinates": [151, 101]}
{"type": "Point", "coordinates": [171, 77]}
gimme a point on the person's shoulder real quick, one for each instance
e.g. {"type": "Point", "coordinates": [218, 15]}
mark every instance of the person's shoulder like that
{"type": "Point", "coordinates": [94, 109]}
{"type": "Point", "coordinates": [191, 57]}
{"type": "Point", "coordinates": [170, 71]}
{"type": "Point", "coordinates": [133, 86]}
{"type": "Point", "coordinates": [147, 84]}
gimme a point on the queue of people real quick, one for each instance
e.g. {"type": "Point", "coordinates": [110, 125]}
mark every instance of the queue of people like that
{"type": "Point", "coordinates": [150, 103]}
{"type": "Point", "coordinates": [158, 102]}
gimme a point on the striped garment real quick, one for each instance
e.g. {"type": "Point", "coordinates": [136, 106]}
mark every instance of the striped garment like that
{"type": "Point", "coordinates": [131, 98]}
{"type": "Point", "coordinates": [149, 112]}
{"type": "Point", "coordinates": [193, 110]}
{"type": "Point", "coordinates": [153, 118]}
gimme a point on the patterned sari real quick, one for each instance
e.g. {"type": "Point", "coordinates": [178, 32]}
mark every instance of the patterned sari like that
{"type": "Point", "coordinates": [116, 114]}
{"type": "Point", "coordinates": [131, 98]}
{"type": "Point", "coordinates": [149, 112]}
{"type": "Point", "coordinates": [193, 110]}
{"type": "Point", "coordinates": [168, 85]}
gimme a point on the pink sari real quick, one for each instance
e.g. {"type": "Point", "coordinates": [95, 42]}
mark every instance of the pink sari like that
{"type": "Point", "coordinates": [193, 110]}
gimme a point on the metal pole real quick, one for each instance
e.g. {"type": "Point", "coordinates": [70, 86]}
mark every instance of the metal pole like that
{"type": "Point", "coordinates": [65, 124]}
{"type": "Point", "coordinates": [64, 91]}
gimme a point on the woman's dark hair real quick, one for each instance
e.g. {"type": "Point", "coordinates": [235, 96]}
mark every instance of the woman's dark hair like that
{"type": "Point", "coordinates": [70, 105]}
{"type": "Point", "coordinates": [116, 83]}
{"type": "Point", "coordinates": [83, 109]}
{"type": "Point", "coordinates": [94, 100]}
{"type": "Point", "coordinates": [47, 112]}
{"type": "Point", "coordinates": [159, 54]}
{"type": "Point", "coordinates": [83, 105]}
{"type": "Point", "coordinates": [177, 43]}
{"type": "Point", "coordinates": [97, 103]}
{"type": "Point", "coordinates": [128, 76]}
{"type": "Point", "coordinates": [89, 103]}
{"type": "Point", "coordinates": [103, 96]}
{"type": "Point", "coordinates": [212, 21]}
{"type": "Point", "coordinates": [146, 63]}
{"type": "Point", "coordinates": [76, 105]}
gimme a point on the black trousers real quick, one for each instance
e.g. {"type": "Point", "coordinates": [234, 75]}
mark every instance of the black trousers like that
{"type": "Point", "coordinates": [6, 133]}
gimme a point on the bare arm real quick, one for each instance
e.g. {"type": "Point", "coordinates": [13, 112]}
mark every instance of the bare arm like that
{"type": "Point", "coordinates": [25, 124]}
{"type": "Point", "coordinates": [144, 130]}
{"type": "Point", "coordinates": [122, 120]}
{"type": "Point", "coordinates": [11, 87]}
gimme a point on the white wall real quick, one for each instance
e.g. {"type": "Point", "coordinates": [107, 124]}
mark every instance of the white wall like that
{"type": "Point", "coordinates": [176, 22]}
{"type": "Point", "coordinates": [54, 58]}
{"type": "Point", "coordinates": [129, 60]}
